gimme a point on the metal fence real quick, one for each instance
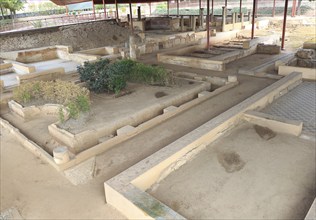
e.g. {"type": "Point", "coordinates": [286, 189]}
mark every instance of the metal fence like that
{"type": "Point", "coordinates": [12, 25]}
{"type": "Point", "coordinates": [186, 7]}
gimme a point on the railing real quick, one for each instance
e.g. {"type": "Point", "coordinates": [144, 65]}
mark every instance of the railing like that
{"type": "Point", "coordinates": [53, 21]}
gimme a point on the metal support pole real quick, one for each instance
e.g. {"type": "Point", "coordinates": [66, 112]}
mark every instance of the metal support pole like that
{"type": "Point", "coordinates": [168, 7]}
{"type": "Point", "coordinates": [208, 25]}
{"type": "Point", "coordinates": [284, 24]}
{"type": "Point", "coordinates": [256, 14]}
{"type": "Point", "coordinates": [131, 14]}
{"type": "Point", "coordinates": [116, 10]}
{"type": "Point", "coordinates": [200, 4]}
{"type": "Point", "coordinates": [139, 13]}
{"type": "Point", "coordinates": [253, 18]}
{"type": "Point", "coordinates": [226, 3]}
{"type": "Point", "coordinates": [240, 6]}
{"type": "Point", "coordinates": [93, 11]}
{"type": "Point", "coordinates": [212, 7]}
{"type": "Point", "coordinates": [104, 9]}
{"type": "Point", "coordinates": [177, 8]}
{"type": "Point", "coordinates": [294, 8]}
{"type": "Point", "coordinates": [273, 9]}
{"type": "Point", "coordinates": [149, 8]}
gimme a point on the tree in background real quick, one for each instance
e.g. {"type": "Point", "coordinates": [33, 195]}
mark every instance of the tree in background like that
{"type": "Point", "coordinates": [3, 7]}
{"type": "Point", "coordinates": [12, 5]}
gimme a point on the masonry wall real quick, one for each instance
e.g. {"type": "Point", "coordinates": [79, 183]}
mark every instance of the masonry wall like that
{"type": "Point", "coordinates": [79, 36]}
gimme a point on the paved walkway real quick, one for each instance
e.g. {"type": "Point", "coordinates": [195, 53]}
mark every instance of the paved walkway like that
{"type": "Point", "coordinates": [299, 104]}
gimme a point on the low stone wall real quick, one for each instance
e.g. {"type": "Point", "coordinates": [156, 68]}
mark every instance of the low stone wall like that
{"type": "Point", "coordinates": [162, 23]}
{"type": "Point", "coordinates": [307, 73]}
{"type": "Point", "coordinates": [217, 63]}
{"type": "Point", "coordinates": [154, 44]}
{"type": "Point", "coordinates": [89, 138]}
{"type": "Point", "coordinates": [127, 191]}
{"type": "Point", "coordinates": [268, 49]}
{"type": "Point", "coordinates": [30, 112]}
{"type": "Point", "coordinates": [46, 75]}
{"type": "Point", "coordinates": [79, 36]}
{"type": "Point", "coordinates": [51, 109]}
{"type": "Point", "coordinates": [306, 58]}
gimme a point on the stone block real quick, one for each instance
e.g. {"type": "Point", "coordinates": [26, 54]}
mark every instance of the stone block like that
{"type": "Point", "coordinates": [213, 33]}
{"type": "Point", "coordinates": [232, 78]}
{"type": "Point", "coordinates": [61, 155]}
{"type": "Point", "coordinates": [204, 93]}
{"type": "Point", "coordinates": [278, 63]}
{"type": "Point", "coordinates": [126, 130]}
{"type": "Point", "coordinates": [268, 49]}
{"type": "Point", "coordinates": [307, 63]}
{"type": "Point", "coordinates": [310, 44]}
{"type": "Point", "coordinates": [170, 109]}
{"type": "Point", "coordinates": [306, 53]}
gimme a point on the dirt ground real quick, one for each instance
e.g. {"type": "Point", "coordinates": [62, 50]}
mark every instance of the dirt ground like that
{"type": "Point", "coordinates": [105, 108]}
{"type": "Point", "coordinates": [36, 130]}
{"type": "Point", "coordinates": [298, 30]}
{"type": "Point", "coordinates": [38, 191]}
{"type": "Point", "coordinates": [278, 176]}
{"type": "Point", "coordinates": [121, 157]}
{"type": "Point", "coordinates": [244, 176]}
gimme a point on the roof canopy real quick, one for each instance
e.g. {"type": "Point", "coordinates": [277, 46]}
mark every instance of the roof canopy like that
{"type": "Point", "coordinates": [68, 2]}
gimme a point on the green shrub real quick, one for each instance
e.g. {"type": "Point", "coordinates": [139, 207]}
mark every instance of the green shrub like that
{"type": "Point", "coordinates": [152, 75]}
{"type": "Point", "coordinates": [95, 75]}
{"type": "Point", "coordinates": [57, 92]}
{"type": "Point", "coordinates": [112, 77]}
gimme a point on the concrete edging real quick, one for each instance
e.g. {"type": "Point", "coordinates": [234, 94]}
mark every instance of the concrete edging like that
{"type": "Point", "coordinates": [218, 63]}
{"type": "Point", "coordinates": [104, 146]}
{"type": "Point", "coordinates": [126, 191]}
{"type": "Point", "coordinates": [31, 111]}
{"type": "Point", "coordinates": [274, 123]}
{"type": "Point", "coordinates": [45, 75]}
{"type": "Point", "coordinates": [28, 112]}
{"type": "Point", "coordinates": [307, 73]}
{"type": "Point", "coordinates": [86, 139]}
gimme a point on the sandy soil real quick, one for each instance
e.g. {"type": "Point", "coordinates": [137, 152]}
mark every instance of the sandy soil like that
{"type": "Point", "coordinates": [244, 178]}
{"type": "Point", "coordinates": [40, 192]}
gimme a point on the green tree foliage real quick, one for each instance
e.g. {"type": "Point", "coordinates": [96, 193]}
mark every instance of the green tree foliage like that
{"type": "Point", "coordinates": [11, 5]}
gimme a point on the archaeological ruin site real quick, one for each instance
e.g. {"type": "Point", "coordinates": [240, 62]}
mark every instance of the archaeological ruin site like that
{"type": "Point", "coordinates": [158, 109]}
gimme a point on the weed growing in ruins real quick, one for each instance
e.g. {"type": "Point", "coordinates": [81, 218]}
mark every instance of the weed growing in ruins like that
{"type": "Point", "coordinates": [104, 76]}
{"type": "Point", "coordinates": [152, 75]}
{"type": "Point", "coordinates": [75, 98]}
{"type": "Point", "coordinates": [61, 115]}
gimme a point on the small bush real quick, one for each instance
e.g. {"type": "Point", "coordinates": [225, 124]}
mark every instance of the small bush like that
{"type": "Point", "coordinates": [75, 98]}
{"type": "Point", "coordinates": [95, 75]}
{"type": "Point", "coordinates": [112, 77]}
{"type": "Point", "coordinates": [152, 75]}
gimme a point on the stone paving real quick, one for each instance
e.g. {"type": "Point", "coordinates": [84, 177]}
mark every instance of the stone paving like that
{"type": "Point", "coordinates": [299, 104]}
